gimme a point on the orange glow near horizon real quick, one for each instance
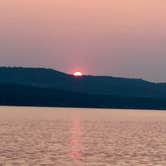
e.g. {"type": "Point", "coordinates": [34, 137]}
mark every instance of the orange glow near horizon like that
{"type": "Point", "coordinates": [78, 74]}
{"type": "Point", "coordinates": [100, 37]}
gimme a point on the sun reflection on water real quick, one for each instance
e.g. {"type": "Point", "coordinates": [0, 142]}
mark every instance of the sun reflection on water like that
{"type": "Point", "coordinates": [75, 140]}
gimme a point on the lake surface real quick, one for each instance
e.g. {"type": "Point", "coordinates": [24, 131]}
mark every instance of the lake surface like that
{"type": "Point", "coordinates": [81, 137]}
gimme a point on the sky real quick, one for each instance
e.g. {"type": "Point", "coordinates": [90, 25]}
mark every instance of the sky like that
{"type": "Point", "coordinates": [125, 38]}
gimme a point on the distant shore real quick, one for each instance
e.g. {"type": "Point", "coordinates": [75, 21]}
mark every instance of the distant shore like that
{"type": "Point", "coordinates": [50, 88]}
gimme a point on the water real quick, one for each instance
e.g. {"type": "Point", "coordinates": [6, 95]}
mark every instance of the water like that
{"type": "Point", "coordinates": [81, 137]}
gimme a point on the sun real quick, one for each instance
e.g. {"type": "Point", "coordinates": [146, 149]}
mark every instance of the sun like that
{"type": "Point", "coordinates": [77, 74]}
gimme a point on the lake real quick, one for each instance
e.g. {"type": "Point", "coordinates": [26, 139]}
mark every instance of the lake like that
{"type": "Point", "coordinates": [77, 137]}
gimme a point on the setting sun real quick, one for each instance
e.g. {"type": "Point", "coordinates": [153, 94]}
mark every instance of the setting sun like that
{"type": "Point", "coordinates": [77, 74]}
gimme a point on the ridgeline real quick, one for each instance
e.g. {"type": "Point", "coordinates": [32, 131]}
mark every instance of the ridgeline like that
{"type": "Point", "coordinates": [47, 87]}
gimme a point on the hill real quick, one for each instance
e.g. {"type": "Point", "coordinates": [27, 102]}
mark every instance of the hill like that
{"type": "Point", "coordinates": [20, 95]}
{"type": "Point", "coordinates": [92, 85]}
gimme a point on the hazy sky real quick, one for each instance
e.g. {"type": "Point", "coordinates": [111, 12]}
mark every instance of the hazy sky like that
{"type": "Point", "coordinates": [104, 37]}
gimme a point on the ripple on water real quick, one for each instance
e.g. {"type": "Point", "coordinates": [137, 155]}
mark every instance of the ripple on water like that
{"type": "Point", "coordinates": [56, 137]}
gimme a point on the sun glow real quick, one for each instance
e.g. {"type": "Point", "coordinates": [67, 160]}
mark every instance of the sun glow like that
{"type": "Point", "coordinates": [77, 74]}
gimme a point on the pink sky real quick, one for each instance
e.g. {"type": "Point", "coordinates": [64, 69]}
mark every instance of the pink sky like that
{"type": "Point", "coordinates": [118, 37]}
